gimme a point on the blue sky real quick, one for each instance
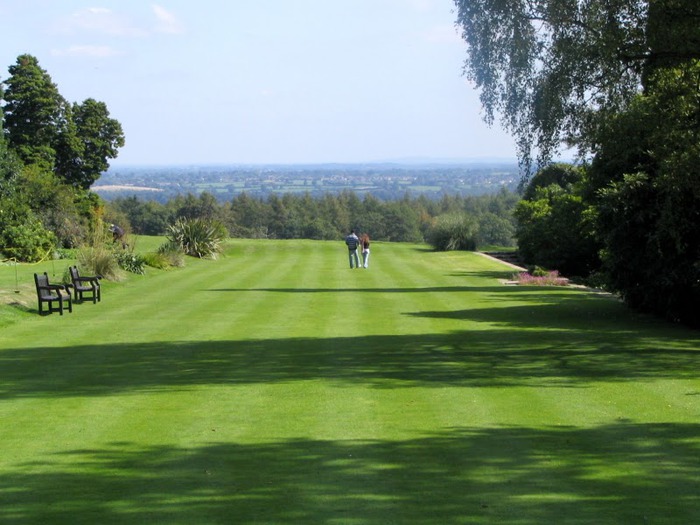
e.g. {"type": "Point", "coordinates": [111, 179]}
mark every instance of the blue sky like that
{"type": "Point", "coordinates": [262, 81]}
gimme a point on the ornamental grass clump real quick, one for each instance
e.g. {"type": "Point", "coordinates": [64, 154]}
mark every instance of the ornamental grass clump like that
{"type": "Point", "coordinates": [453, 231]}
{"type": "Point", "coordinates": [198, 237]}
{"type": "Point", "coordinates": [168, 255]}
{"type": "Point", "coordinates": [99, 260]}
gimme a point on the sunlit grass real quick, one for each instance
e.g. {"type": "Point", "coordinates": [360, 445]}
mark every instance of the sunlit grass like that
{"type": "Point", "coordinates": [276, 385]}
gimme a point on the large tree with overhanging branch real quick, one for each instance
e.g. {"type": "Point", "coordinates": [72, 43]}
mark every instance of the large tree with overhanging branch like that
{"type": "Point", "coordinates": [546, 67]}
{"type": "Point", "coordinates": [620, 81]}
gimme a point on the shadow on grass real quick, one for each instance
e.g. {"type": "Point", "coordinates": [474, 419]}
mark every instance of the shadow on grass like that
{"type": "Point", "coordinates": [618, 473]}
{"type": "Point", "coordinates": [428, 289]}
{"type": "Point", "coordinates": [488, 274]}
{"type": "Point", "coordinates": [511, 292]}
{"type": "Point", "coordinates": [567, 312]}
{"type": "Point", "coordinates": [473, 358]}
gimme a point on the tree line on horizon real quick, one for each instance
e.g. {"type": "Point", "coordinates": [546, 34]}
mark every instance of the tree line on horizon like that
{"type": "Point", "coordinates": [485, 219]}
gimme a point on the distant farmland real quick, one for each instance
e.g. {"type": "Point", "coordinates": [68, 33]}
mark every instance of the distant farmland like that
{"type": "Point", "coordinates": [384, 181]}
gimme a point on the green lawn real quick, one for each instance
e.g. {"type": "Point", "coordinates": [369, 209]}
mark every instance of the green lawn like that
{"type": "Point", "coordinates": [276, 385]}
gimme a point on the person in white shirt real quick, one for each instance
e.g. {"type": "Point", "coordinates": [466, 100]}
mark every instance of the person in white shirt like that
{"type": "Point", "coordinates": [364, 243]}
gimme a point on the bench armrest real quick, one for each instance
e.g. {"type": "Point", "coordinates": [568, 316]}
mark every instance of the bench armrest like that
{"type": "Point", "coordinates": [87, 279]}
{"type": "Point", "coordinates": [56, 288]}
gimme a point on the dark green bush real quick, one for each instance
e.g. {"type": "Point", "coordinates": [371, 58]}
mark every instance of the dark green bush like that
{"type": "Point", "coordinates": [554, 225]}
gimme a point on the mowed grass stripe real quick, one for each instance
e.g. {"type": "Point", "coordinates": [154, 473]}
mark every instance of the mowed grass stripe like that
{"type": "Point", "coordinates": [387, 297]}
{"type": "Point", "coordinates": [273, 302]}
{"type": "Point", "coordinates": [419, 288]}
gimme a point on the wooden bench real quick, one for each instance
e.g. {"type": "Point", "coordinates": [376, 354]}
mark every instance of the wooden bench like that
{"type": "Point", "coordinates": [55, 296]}
{"type": "Point", "coordinates": [85, 285]}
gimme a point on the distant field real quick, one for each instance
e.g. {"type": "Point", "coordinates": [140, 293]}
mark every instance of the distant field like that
{"type": "Point", "coordinates": [276, 385]}
{"type": "Point", "coordinates": [385, 181]}
{"type": "Point", "coordinates": [124, 187]}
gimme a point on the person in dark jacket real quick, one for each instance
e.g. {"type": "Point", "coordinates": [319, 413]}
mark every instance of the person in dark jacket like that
{"type": "Point", "coordinates": [353, 241]}
{"type": "Point", "coordinates": [117, 234]}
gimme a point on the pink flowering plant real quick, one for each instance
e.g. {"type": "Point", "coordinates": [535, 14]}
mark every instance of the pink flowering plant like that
{"type": "Point", "coordinates": [540, 277]}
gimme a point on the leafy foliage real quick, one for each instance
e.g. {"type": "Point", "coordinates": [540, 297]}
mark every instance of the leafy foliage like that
{"type": "Point", "coordinates": [32, 113]}
{"type": "Point", "coordinates": [547, 66]}
{"type": "Point", "coordinates": [74, 141]}
{"type": "Point", "coordinates": [50, 153]}
{"type": "Point", "coordinates": [172, 254]}
{"type": "Point", "coordinates": [294, 216]}
{"type": "Point", "coordinates": [649, 215]}
{"type": "Point", "coordinates": [555, 227]}
{"type": "Point", "coordinates": [130, 261]}
{"type": "Point", "coordinates": [495, 229]}
{"type": "Point", "coordinates": [22, 236]}
{"type": "Point", "coordinates": [60, 208]}
{"type": "Point", "coordinates": [619, 80]}
{"type": "Point", "coordinates": [89, 138]}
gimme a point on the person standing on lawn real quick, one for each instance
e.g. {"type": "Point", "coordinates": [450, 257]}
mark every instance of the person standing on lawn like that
{"type": "Point", "coordinates": [364, 243]}
{"type": "Point", "coordinates": [353, 241]}
{"type": "Point", "coordinates": [117, 234]}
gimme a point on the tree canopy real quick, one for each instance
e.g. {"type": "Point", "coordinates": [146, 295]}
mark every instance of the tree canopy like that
{"type": "Point", "coordinates": [618, 79]}
{"type": "Point", "coordinates": [547, 67]}
{"type": "Point", "coordinates": [51, 152]}
{"type": "Point", "coordinates": [33, 109]}
{"type": "Point", "coordinates": [74, 141]}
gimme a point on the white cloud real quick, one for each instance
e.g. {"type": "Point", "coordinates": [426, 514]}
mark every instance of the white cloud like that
{"type": "Point", "coordinates": [167, 21]}
{"type": "Point", "coordinates": [106, 22]}
{"type": "Point", "coordinates": [86, 51]}
{"type": "Point", "coordinates": [99, 20]}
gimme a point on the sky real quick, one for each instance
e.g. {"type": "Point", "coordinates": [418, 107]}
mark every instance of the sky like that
{"type": "Point", "coordinates": [263, 81]}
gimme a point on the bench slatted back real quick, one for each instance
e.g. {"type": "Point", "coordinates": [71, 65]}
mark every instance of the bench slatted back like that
{"type": "Point", "coordinates": [42, 283]}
